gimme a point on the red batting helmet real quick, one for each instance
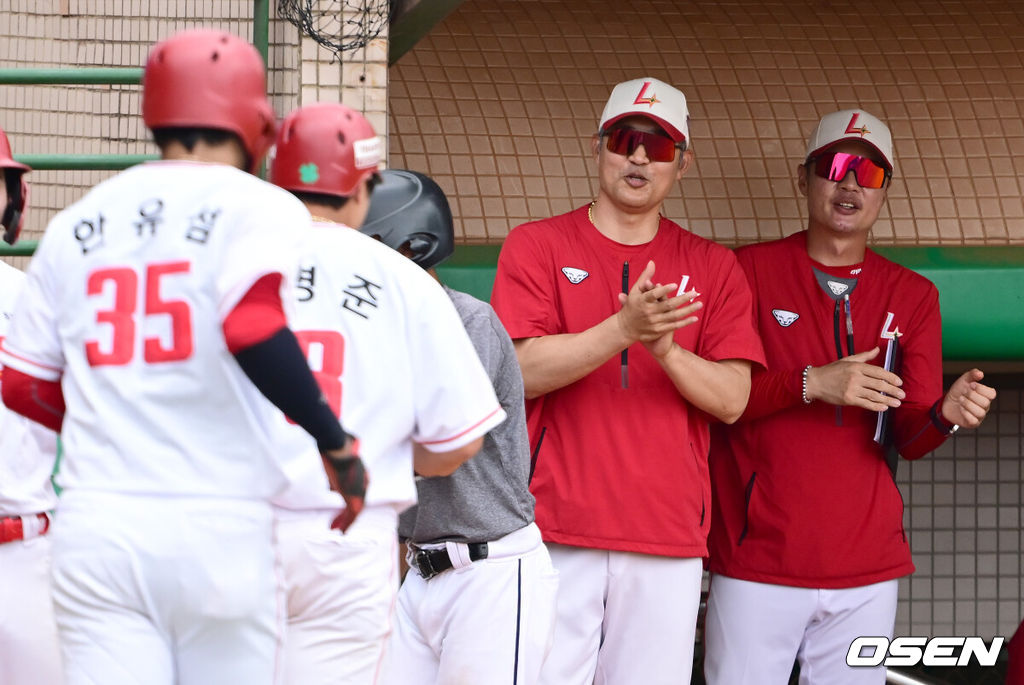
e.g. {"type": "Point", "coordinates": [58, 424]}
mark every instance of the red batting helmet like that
{"type": "Point", "coordinates": [209, 79]}
{"type": "Point", "coordinates": [325, 148]}
{"type": "Point", "coordinates": [17, 191]}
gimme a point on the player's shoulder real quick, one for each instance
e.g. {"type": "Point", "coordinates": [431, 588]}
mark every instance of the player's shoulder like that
{"type": "Point", "coordinates": [772, 252]}
{"type": "Point", "coordinates": [535, 244]}
{"type": "Point", "coordinates": [252, 191]}
{"type": "Point", "coordinates": [10, 274]}
{"type": "Point", "coordinates": [469, 306]}
{"type": "Point", "coordinates": [548, 229]}
{"type": "Point", "coordinates": [791, 242]}
{"type": "Point", "coordinates": [12, 280]}
{"type": "Point", "coordinates": [107, 193]}
{"type": "Point", "coordinates": [372, 255]}
{"type": "Point", "coordinates": [692, 243]}
{"type": "Point", "coordinates": [367, 247]}
{"type": "Point", "coordinates": [231, 186]}
{"type": "Point", "coordinates": [478, 317]}
{"type": "Point", "coordinates": [896, 275]}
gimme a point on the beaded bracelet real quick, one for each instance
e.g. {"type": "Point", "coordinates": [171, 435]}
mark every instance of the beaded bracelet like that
{"type": "Point", "coordinates": [803, 392]}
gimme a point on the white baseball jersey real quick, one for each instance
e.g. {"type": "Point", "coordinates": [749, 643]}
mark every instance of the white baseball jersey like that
{"type": "Point", "coordinates": [390, 353]}
{"type": "Point", "coordinates": [29, 652]}
{"type": "Point", "coordinates": [125, 300]}
{"type": "Point", "coordinates": [27, 449]}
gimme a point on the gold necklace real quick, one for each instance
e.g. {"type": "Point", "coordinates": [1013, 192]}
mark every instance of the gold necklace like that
{"type": "Point", "coordinates": [590, 213]}
{"type": "Point", "coordinates": [322, 219]}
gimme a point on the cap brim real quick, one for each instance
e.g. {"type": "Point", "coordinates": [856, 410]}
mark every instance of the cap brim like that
{"type": "Point", "coordinates": [674, 133]}
{"type": "Point", "coordinates": [856, 139]}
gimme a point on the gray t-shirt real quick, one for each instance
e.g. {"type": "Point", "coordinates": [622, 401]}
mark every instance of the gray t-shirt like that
{"type": "Point", "coordinates": [488, 496]}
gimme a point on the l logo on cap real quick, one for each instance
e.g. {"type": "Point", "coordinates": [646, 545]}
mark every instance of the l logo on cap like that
{"type": "Point", "coordinates": [641, 100]}
{"type": "Point", "coordinates": [853, 128]}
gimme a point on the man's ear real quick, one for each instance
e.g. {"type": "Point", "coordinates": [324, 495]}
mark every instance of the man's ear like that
{"type": "Point", "coordinates": [801, 178]}
{"type": "Point", "coordinates": [685, 160]}
{"type": "Point", "coordinates": [595, 144]}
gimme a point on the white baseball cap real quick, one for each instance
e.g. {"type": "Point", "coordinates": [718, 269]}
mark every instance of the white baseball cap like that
{"type": "Point", "coordinates": [651, 98]}
{"type": "Point", "coordinates": [852, 124]}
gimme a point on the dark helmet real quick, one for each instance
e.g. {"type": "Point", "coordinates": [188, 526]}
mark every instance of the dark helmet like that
{"type": "Point", "coordinates": [410, 208]}
{"type": "Point", "coordinates": [13, 214]}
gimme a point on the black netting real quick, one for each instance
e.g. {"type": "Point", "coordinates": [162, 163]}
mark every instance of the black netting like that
{"type": "Point", "coordinates": [338, 25]}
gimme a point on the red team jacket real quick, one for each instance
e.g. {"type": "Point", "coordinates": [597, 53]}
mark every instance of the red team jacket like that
{"type": "Point", "coordinates": [800, 500]}
{"type": "Point", "coordinates": [620, 468]}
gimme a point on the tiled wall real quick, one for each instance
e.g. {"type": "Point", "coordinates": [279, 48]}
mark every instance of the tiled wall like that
{"type": "Point", "coordinates": [85, 119]}
{"type": "Point", "coordinates": [499, 101]}
{"type": "Point", "coordinates": [101, 119]}
{"type": "Point", "coordinates": [963, 511]}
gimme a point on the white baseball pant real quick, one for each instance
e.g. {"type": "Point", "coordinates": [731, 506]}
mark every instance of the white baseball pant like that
{"type": "Point", "coordinates": [486, 622]}
{"type": "Point", "coordinates": [755, 631]}
{"type": "Point", "coordinates": [341, 592]}
{"type": "Point", "coordinates": [623, 618]}
{"type": "Point", "coordinates": [166, 590]}
{"type": "Point", "coordinates": [29, 651]}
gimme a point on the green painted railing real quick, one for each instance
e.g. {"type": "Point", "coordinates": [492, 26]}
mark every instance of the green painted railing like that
{"type": "Point", "coordinates": [83, 76]}
{"type": "Point", "coordinates": [101, 76]}
{"type": "Point", "coordinates": [80, 162]}
{"type": "Point", "coordinates": [981, 292]}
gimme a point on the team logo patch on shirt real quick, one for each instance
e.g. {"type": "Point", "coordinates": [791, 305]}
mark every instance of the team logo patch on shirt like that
{"type": "Point", "coordinates": [785, 317]}
{"type": "Point", "coordinates": [574, 275]}
{"type": "Point", "coordinates": [838, 288]}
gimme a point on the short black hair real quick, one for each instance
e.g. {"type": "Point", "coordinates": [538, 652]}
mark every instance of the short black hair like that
{"type": "Point", "coordinates": [334, 201]}
{"type": "Point", "coordinates": [189, 137]}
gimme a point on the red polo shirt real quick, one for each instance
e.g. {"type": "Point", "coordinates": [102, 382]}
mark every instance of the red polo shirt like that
{"type": "Point", "coordinates": [620, 468]}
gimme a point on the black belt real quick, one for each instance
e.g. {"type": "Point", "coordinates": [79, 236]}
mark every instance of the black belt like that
{"type": "Point", "coordinates": [430, 562]}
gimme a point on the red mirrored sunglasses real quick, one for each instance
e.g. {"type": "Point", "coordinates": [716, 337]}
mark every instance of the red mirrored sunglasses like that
{"type": "Point", "coordinates": [834, 166]}
{"type": "Point", "coordinates": [625, 141]}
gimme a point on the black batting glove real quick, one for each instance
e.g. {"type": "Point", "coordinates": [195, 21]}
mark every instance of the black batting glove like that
{"type": "Point", "coordinates": [347, 475]}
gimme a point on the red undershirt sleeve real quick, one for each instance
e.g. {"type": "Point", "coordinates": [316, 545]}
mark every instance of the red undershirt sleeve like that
{"type": "Point", "coordinates": [42, 401]}
{"type": "Point", "coordinates": [257, 316]}
{"type": "Point", "coordinates": [772, 391]}
{"type": "Point", "coordinates": [919, 431]}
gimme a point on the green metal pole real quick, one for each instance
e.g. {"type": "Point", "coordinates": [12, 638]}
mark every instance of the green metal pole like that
{"type": "Point", "coordinates": [94, 75]}
{"type": "Point", "coordinates": [42, 162]}
{"type": "Point", "coordinates": [261, 28]}
{"type": "Point", "coordinates": [23, 248]}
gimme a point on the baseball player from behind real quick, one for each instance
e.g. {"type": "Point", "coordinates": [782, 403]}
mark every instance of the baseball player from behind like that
{"type": "Point", "coordinates": [153, 307]}
{"type": "Point", "coordinates": [29, 653]}
{"type": "Point", "coordinates": [478, 604]}
{"type": "Point", "coordinates": [389, 351]}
